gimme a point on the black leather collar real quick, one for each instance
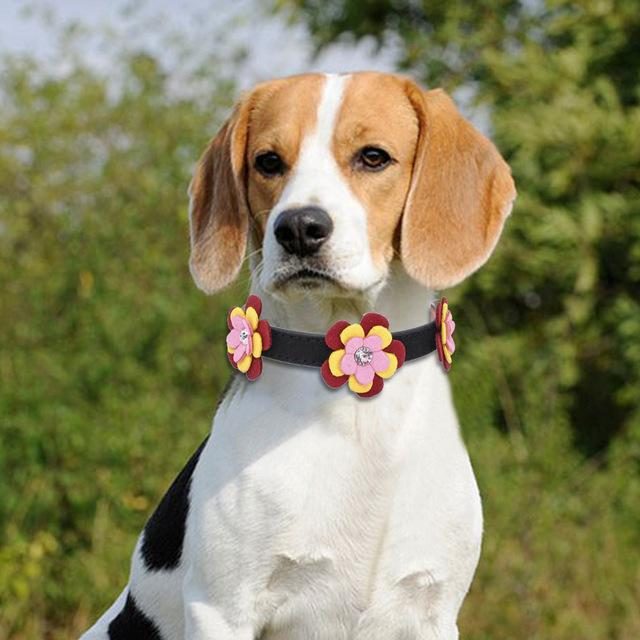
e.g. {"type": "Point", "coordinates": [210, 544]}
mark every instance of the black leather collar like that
{"type": "Point", "coordinates": [362, 355]}
{"type": "Point", "coordinates": [311, 350]}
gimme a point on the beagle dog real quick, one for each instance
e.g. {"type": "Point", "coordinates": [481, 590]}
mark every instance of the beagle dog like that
{"type": "Point", "coordinates": [310, 513]}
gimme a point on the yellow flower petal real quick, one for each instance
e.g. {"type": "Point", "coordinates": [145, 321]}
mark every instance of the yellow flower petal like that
{"type": "Point", "coordinates": [447, 354]}
{"type": "Point", "coordinates": [352, 331]}
{"type": "Point", "coordinates": [236, 311]}
{"type": "Point", "coordinates": [252, 317]}
{"type": "Point", "coordinates": [443, 326]}
{"type": "Point", "coordinates": [383, 333]}
{"type": "Point", "coordinates": [230, 349]}
{"type": "Point", "coordinates": [391, 369]}
{"type": "Point", "coordinates": [334, 362]}
{"type": "Point", "coordinates": [257, 345]}
{"type": "Point", "coordinates": [356, 387]}
{"type": "Point", "coordinates": [244, 364]}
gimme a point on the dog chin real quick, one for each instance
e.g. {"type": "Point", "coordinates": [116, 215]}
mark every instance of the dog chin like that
{"type": "Point", "coordinates": [318, 283]}
{"type": "Point", "coordinates": [304, 281]}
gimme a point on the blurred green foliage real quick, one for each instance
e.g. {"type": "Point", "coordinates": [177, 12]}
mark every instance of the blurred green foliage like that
{"type": "Point", "coordinates": [108, 366]}
{"type": "Point", "coordinates": [107, 351]}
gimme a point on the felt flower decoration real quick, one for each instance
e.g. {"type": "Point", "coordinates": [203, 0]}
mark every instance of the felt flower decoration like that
{"type": "Point", "coordinates": [363, 355]}
{"type": "Point", "coordinates": [248, 337]}
{"type": "Point", "coordinates": [445, 326]}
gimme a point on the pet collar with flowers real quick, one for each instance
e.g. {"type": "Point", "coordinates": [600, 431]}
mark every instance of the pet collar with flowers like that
{"type": "Point", "coordinates": [361, 355]}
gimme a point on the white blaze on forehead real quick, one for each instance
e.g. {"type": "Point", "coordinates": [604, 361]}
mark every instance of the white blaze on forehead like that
{"type": "Point", "coordinates": [316, 179]}
{"type": "Point", "coordinates": [316, 168]}
{"type": "Point", "coordinates": [328, 108]}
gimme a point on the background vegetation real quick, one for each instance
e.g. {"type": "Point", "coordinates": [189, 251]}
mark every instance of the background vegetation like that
{"type": "Point", "coordinates": [108, 365]}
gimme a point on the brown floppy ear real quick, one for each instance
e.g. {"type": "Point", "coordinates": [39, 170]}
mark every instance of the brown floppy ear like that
{"type": "Point", "coordinates": [218, 212]}
{"type": "Point", "coordinates": [460, 195]}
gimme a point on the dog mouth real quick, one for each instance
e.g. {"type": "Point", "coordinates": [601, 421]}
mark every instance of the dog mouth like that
{"type": "Point", "coordinates": [305, 277]}
{"type": "Point", "coordinates": [292, 278]}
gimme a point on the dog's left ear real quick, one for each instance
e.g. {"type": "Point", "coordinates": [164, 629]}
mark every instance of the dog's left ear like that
{"type": "Point", "coordinates": [218, 212]}
{"type": "Point", "coordinates": [460, 195]}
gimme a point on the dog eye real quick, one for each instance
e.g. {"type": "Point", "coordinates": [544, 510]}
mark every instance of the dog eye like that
{"type": "Point", "coordinates": [373, 158]}
{"type": "Point", "coordinates": [269, 164]}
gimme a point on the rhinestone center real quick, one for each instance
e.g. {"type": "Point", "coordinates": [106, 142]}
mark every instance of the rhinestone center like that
{"type": "Point", "coordinates": [363, 355]}
{"type": "Point", "coordinates": [244, 336]}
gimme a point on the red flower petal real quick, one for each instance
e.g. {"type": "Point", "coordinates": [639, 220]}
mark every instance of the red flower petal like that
{"type": "Point", "coordinates": [376, 388]}
{"type": "Point", "coordinates": [331, 380]}
{"type": "Point", "coordinates": [332, 337]}
{"type": "Point", "coordinates": [255, 302]}
{"type": "Point", "coordinates": [439, 312]}
{"type": "Point", "coordinates": [230, 359]}
{"type": "Point", "coordinates": [255, 369]}
{"type": "Point", "coordinates": [264, 329]}
{"type": "Point", "coordinates": [229, 319]}
{"type": "Point", "coordinates": [371, 320]}
{"type": "Point", "coordinates": [439, 348]}
{"type": "Point", "coordinates": [397, 348]}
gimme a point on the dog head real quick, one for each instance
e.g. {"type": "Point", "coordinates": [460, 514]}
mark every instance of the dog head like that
{"type": "Point", "coordinates": [333, 177]}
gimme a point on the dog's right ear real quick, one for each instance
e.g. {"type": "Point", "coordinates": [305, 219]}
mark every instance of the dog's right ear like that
{"type": "Point", "coordinates": [218, 212]}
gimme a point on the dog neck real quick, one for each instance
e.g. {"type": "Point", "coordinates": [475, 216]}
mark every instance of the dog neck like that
{"type": "Point", "coordinates": [403, 301]}
{"type": "Point", "coordinates": [284, 388]}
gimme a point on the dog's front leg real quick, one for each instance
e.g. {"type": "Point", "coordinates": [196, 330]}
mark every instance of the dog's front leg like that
{"type": "Point", "coordinates": [226, 551]}
{"type": "Point", "coordinates": [224, 610]}
{"type": "Point", "coordinates": [418, 607]}
{"type": "Point", "coordinates": [432, 542]}
{"type": "Point", "coordinates": [204, 620]}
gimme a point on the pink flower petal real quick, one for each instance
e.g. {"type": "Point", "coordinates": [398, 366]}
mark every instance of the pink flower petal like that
{"type": "Point", "coordinates": [348, 364]}
{"type": "Point", "coordinates": [451, 345]}
{"type": "Point", "coordinates": [233, 338]}
{"type": "Point", "coordinates": [380, 361]}
{"type": "Point", "coordinates": [238, 322]}
{"type": "Point", "coordinates": [373, 342]}
{"type": "Point", "coordinates": [451, 325]}
{"type": "Point", "coordinates": [353, 344]}
{"type": "Point", "coordinates": [239, 353]}
{"type": "Point", "coordinates": [364, 374]}
{"type": "Point", "coordinates": [450, 328]}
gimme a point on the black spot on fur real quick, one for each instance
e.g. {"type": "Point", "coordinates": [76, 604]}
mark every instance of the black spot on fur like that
{"type": "Point", "coordinates": [132, 624]}
{"type": "Point", "coordinates": [164, 532]}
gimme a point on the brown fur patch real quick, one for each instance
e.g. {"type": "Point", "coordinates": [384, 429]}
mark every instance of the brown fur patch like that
{"type": "Point", "coordinates": [227, 193]}
{"type": "Point", "coordinates": [219, 217]}
{"type": "Point", "coordinates": [446, 193]}
{"type": "Point", "coordinates": [282, 115]}
{"type": "Point", "coordinates": [376, 112]}
{"type": "Point", "coordinates": [460, 196]}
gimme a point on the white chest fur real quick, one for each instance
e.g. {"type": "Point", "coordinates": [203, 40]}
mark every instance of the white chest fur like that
{"type": "Point", "coordinates": [317, 514]}
{"type": "Point", "coordinates": [309, 504]}
{"type": "Point", "coordinates": [312, 513]}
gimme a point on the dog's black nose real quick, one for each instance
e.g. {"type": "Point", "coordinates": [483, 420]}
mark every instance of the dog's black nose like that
{"type": "Point", "coordinates": [303, 231]}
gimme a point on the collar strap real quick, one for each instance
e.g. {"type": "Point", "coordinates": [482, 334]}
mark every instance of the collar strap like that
{"type": "Point", "coordinates": [311, 349]}
{"type": "Point", "coordinates": [361, 355]}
